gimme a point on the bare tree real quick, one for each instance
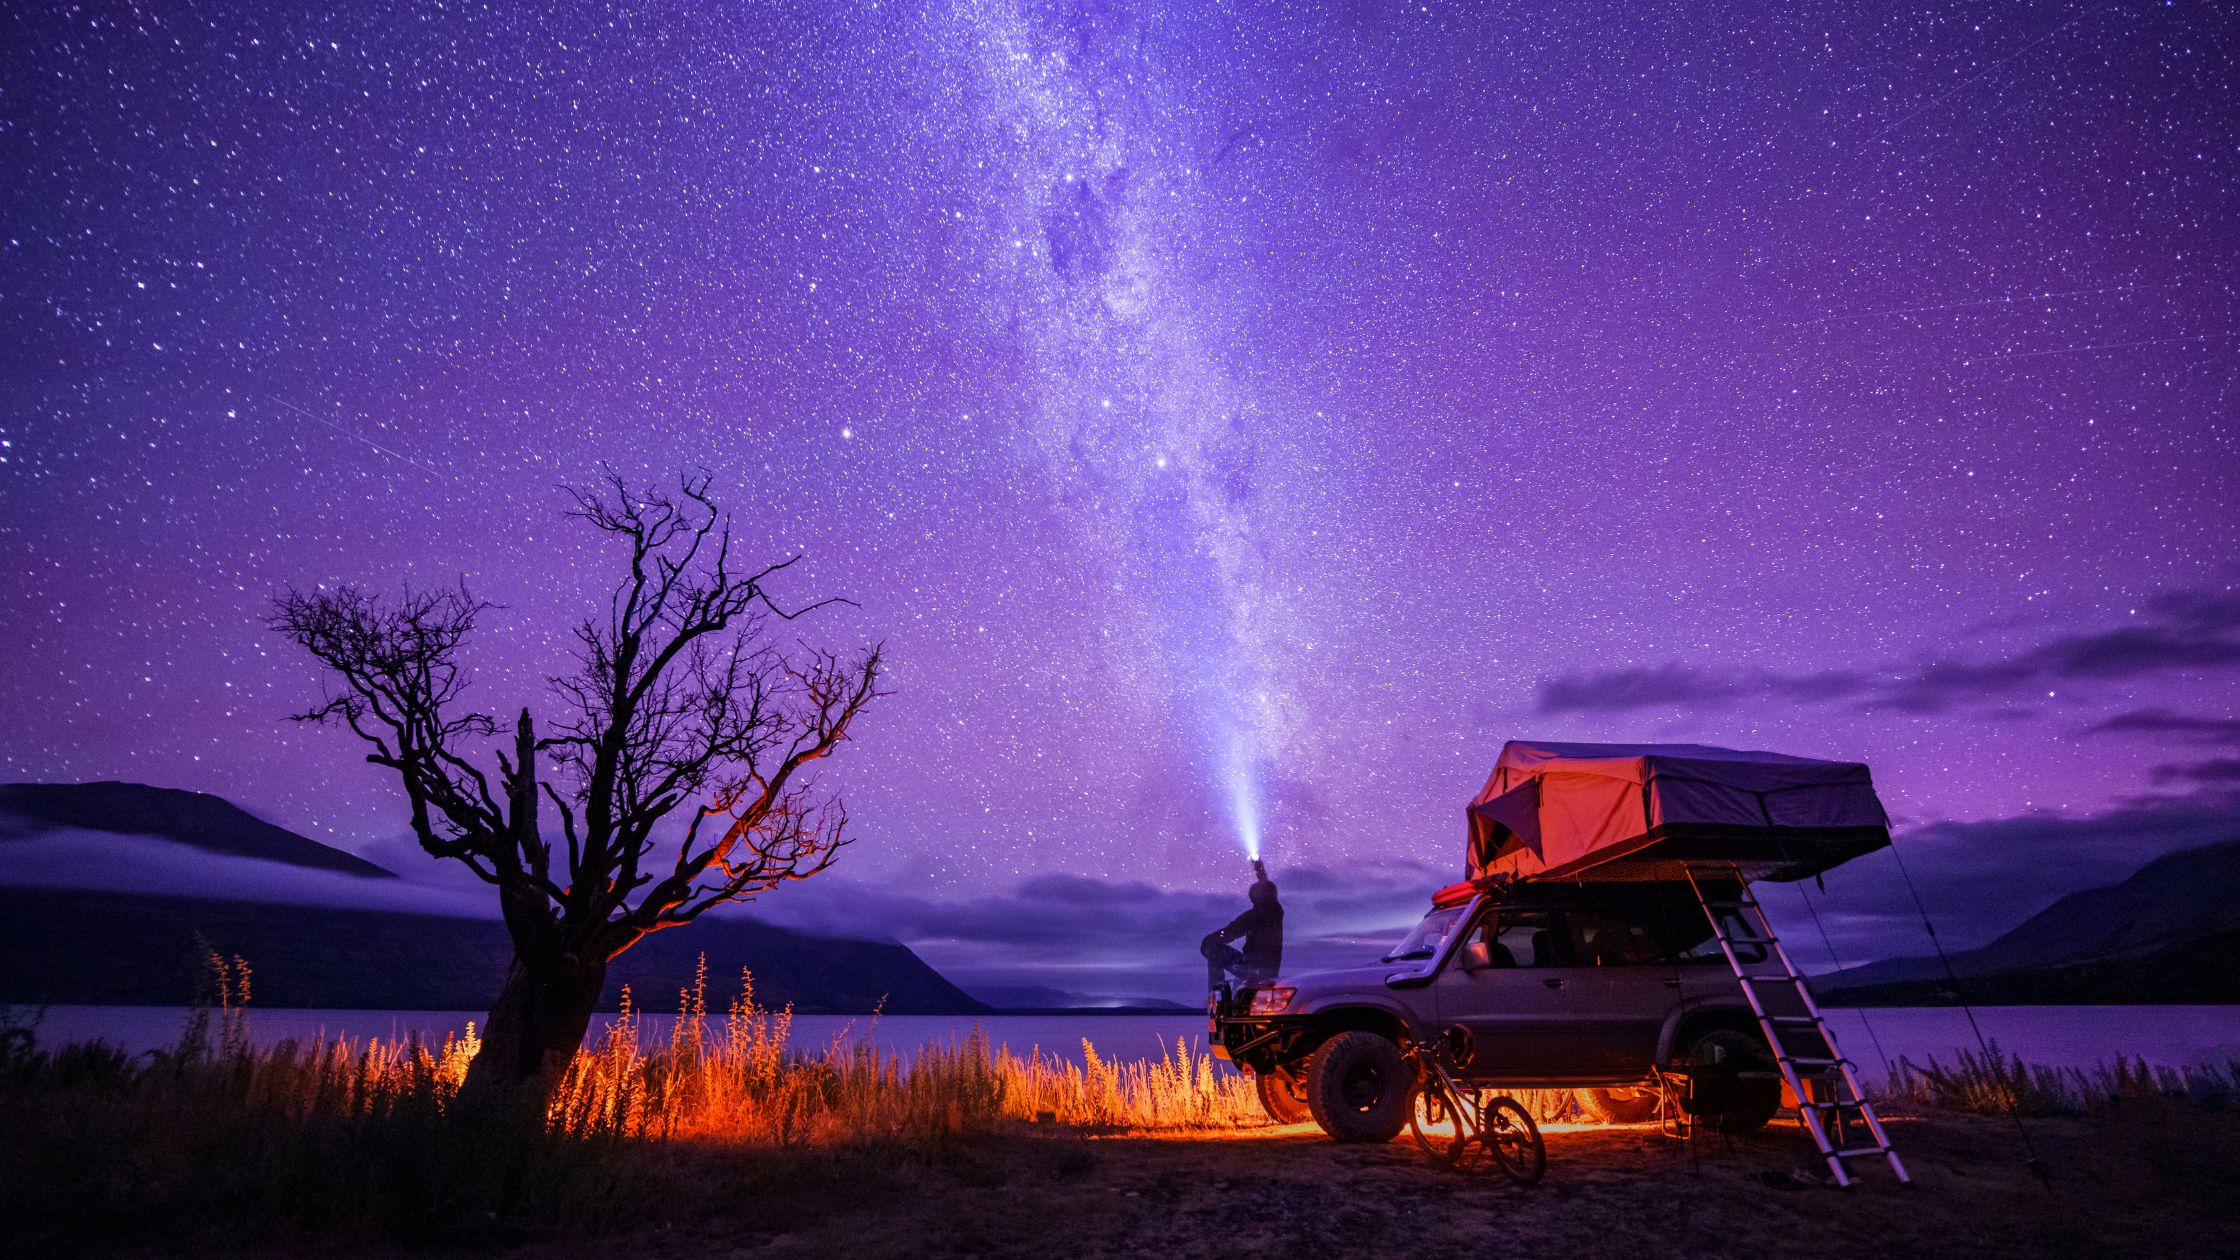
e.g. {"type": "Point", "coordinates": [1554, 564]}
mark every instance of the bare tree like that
{"type": "Point", "coordinates": [679, 696]}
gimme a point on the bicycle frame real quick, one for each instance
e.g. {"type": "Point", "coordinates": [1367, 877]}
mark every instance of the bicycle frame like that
{"type": "Point", "coordinates": [1494, 1123]}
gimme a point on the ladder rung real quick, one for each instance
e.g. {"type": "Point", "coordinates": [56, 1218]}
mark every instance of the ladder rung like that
{"type": "Point", "coordinates": [1726, 915]}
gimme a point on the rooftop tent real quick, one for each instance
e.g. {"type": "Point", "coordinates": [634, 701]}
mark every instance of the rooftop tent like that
{"type": "Point", "coordinates": [1638, 811]}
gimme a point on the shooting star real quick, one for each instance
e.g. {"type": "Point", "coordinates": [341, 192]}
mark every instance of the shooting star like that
{"type": "Point", "coordinates": [428, 468]}
{"type": "Point", "coordinates": [1997, 301]}
{"type": "Point", "coordinates": [2098, 345]}
{"type": "Point", "coordinates": [1988, 71]}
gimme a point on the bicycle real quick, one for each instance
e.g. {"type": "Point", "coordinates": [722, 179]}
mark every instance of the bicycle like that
{"type": "Point", "coordinates": [1454, 1122]}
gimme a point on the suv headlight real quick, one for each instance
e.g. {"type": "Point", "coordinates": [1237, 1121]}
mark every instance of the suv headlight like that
{"type": "Point", "coordinates": [1271, 1001]}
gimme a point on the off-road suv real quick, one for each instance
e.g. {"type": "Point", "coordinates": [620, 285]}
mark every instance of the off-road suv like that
{"type": "Point", "coordinates": [1549, 986]}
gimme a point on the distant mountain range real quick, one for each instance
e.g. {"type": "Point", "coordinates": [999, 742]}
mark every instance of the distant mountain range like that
{"type": "Point", "coordinates": [193, 818]}
{"type": "Point", "coordinates": [132, 949]}
{"type": "Point", "coordinates": [2168, 934]}
{"type": "Point", "coordinates": [81, 946]}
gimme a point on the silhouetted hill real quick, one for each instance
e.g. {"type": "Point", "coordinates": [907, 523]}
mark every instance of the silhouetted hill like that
{"type": "Point", "coordinates": [74, 946]}
{"type": "Point", "coordinates": [196, 818]}
{"type": "Point", "coordinates": [2204, 972]}
{"type": "Point", "coordinates": [2168, 934]}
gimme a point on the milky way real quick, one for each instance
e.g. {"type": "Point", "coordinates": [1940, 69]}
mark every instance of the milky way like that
{"type": "Point", "coordinates": [1238, 420]}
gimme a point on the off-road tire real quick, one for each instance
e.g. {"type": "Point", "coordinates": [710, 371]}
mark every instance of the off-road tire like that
{"type": "Point", "coordinates": [1759, 1098]}
{"type": "Point", "coordinates": [1620, 1106]}
{"type": "Point", "coordinates": [1358, 1088]}
{"type": "Point", "coordinates": [1283, 1097]}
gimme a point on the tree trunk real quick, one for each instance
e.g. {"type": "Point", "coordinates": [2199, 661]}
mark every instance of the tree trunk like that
{"type": "Point", "coordinates": [536, 1027]}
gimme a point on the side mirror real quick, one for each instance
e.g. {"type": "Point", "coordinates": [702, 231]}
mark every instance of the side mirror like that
{"type": "Point", "coordinates": [1475, 957]}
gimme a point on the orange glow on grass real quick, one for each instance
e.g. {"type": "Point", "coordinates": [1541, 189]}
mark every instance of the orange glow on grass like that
{"type": "Point", "coordinates": [735, 1079]}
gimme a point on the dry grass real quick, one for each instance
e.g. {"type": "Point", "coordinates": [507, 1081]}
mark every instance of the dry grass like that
{"type": "Point", "coordinates": [737, 1081]}
{"type": "Point", "coordinates": [220, 1139]}
{"type": "Point", "coordinates": [724, 1130]}
{"type": "Point", "coordinates": [1993, 1084]}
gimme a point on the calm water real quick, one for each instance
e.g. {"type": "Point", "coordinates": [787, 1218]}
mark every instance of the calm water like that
{"type": "Point", "coordinates": [138, 1028]}
{"type": "Point", "coordinates": [2066, 1036]}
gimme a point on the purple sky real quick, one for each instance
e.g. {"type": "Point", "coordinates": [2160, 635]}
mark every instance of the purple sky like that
{"type": "Point", "coordinates": [1234, 417]}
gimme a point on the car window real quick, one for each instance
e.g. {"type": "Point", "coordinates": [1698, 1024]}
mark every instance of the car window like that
{"type": "Point", "coordinates": [1705, 949]}
{"type": "Point", "coordinates": [1601, 939]}
{"type": "Point", "coordinates": [1429, 937]}
{"type": "Point", "coordinates": [1519, 938]}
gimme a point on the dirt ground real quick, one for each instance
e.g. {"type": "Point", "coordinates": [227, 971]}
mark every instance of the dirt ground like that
{"type": "Point", "coordinates": [2127, 1185]}
{"type": "Point", "coordinates": [2160, 1178]}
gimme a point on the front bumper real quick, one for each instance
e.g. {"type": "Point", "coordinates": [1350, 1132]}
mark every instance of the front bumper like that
{"type": "Point", "coordinates": [1254, 1043]}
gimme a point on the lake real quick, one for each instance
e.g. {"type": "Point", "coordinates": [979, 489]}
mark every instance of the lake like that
{"type": "Point", "coordinates": [2058, 1036]}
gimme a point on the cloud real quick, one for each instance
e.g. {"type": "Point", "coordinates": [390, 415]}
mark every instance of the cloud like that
{"type": "Point", "coordinates": [1097, 939]}
{"type": "Point", "coordinates": [1112, 939]}
{"type": "Point", "coordinates": [1080, 891]}
{"type": "Point", "coordinates": [2215, 770]}
{"type": "Point", "coordinates": [2164, 722]}
{"type": "Point", "coordinates": [2183, 630]}
{"type": "Point", "coordinates": [1101, 940]}
{"type": "Point", "coordinates": [1616, 690]}
{"type": "Point", "coordinates": [68, 857]}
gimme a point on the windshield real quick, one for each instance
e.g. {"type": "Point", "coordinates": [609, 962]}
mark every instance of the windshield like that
{"type": "Point", "coordinates": [1430, 936]}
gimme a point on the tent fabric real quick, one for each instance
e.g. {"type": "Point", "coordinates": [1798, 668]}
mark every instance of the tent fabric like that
{"type": "Point", "coordinates": [1639, 811]}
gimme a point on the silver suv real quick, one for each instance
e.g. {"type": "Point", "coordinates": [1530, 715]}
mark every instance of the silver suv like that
{"type": "Point", "coordinates": [1551, 986]}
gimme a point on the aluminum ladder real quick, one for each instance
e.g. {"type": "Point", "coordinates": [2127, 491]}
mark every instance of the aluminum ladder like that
{"type": "Point", "coordinates": [1824, 1120]}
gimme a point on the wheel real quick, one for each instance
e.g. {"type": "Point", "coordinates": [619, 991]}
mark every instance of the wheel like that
{"type": "Point", "coordinates": [1724, 1100]}
{"type": "Point", "coordinates": [1621, 1106]}
{"type": "Point", "coordinates": [1358, 1088]}
{"type": "Point", "coordinates": [1282, 1099]}
{"type": "Point", "coordinates": [1437, 1123]}
{"type": "Point", "coordinates": [1513, 1140]}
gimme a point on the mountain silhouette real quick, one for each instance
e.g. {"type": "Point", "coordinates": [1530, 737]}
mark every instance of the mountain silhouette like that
{"type": "Point", "coordinates": [82, 947]}
{"type": "Point", "coordinates": [2168, 934]}
{"type": "Point", "coordinates": [207, 822]}
{"type": "Point", "coordinates": [137, 948]}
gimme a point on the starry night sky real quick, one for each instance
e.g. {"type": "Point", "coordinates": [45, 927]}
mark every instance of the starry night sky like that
{"type": "Point", "coordinates": [1236, 418]}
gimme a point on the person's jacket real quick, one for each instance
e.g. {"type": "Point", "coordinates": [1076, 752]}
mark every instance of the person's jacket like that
{"type": "Point", "coordinates": [1262, 930]}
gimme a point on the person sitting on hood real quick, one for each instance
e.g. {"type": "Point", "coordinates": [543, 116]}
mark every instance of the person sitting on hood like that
{"type": "Point", "coordinates": [1262, 930]}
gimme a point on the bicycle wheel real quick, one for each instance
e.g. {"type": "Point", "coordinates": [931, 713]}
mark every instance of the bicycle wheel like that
{"type": "Point", "coordinates": [1513, 1140]}
{"type": "Point", "coordinates": [1438, 1123]}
